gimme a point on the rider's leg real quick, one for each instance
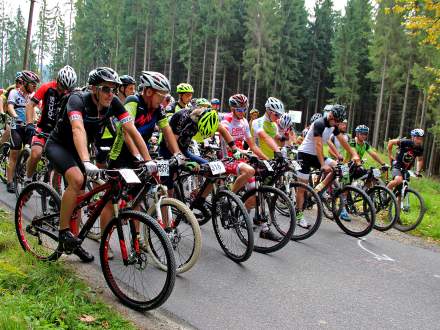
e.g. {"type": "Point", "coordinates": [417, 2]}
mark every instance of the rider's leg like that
{"type": "Point", "coordinates": [245, 173]}
{"type": "Point", "coordinates": [13, 155]}
{"type": "Point", "coordinates": [32, 162]}
{"type": "Point", "coordinates": [75, 180]}
{"type": "Point", "coordinates": [6, 135]}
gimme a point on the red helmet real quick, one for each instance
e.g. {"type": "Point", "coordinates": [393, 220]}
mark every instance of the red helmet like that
{"type": "Point", "coordinates": [29, 77]}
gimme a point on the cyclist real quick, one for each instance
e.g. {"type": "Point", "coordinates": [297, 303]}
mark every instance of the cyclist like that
{"type": "Point", "coordinates": [360, 144]}
{"type": "Point", "coordinates": [335, 148]}
{"type": "Point", "coordinates": [83, 119]}
{"type": "Point", "coordinates": [285, 129]}
{"type": "Point", "coordinates": [265, 129]}
{"type": "Point", "coordinates": [409, 151]}
{"type": "Point", "coordinates": [311, 152]}
{"type": "Point", "coordinates": [215, 104]}
{"type": "Point", "coordinates": [18, 83]}
{"type": "Point", "coordinates": [315, 117]}
{"type": "Point", "coordinates": [103, 145]}
{"type": "Point", "coordinates": [21, 133]}
{"type": "Point", "coordinates": [185, 92]}
{"type": "Point", "coordinates": [50, 95]}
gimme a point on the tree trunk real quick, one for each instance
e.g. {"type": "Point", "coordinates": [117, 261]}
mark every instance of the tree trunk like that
{"type": "Point", "coordinates": [405, 99]}
{"type": "Point", "coordinates": [306, 119]}
{"type": "Point", "coordinates": [249, 86]}
{"type": "Point", "coordinates": [223, 88]}
{"type": "Point", "coordinates": [117, 48]}
{"type": "Point", "coordinates": [203, 67]}
{"type": "Point", "coordinates": [387, 127]}
{"type": "Point", "coordinates": [172, 43]}
{"type": "Point", "coordinates": [238, 79]}
{"type": "Point", "coordinates": [424, 108]}
{"type": "Point", "coordinates": [69, 35]}
{"type": "Point", "coordinates": [150, 27]}
{"type": "Point", "coordinates": [135, 51]}
{"type": "Point", "coordinates": [2, 47]}
{"type": "Point", "coordinates": [188, 73]}
{"type": "Point", "coordinates": [144, 66]}
{"type": "Point", "coordinates": [214, 69]}
{"type": "Point", "coordinates": [317, 91]}
{"type": "Point", "coordinates": [419, 104]}
{"type": "Point", "coordinates": [432, 157]}
{"type": "Point", "coordinates": [257, 75]}
{"type": "Point", "coordinates": [379, 103]}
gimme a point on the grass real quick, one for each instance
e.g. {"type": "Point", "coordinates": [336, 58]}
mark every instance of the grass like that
{"type": "Point", "coordinates": [46, 295]}
{"type": "Point", "coordinates": [429, 188]}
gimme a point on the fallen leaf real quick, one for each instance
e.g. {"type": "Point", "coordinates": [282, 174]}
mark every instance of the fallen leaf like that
{"type": "Point", "coordinates": [87, 319]}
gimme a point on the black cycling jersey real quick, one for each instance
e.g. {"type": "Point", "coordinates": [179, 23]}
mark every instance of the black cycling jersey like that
{"type": "Point", "coordinates": [80, 105]}
{"type": "Point", "coordinates": [49, 96]}
{"type": "Point", "coordinates": [407, 154]}
{"type": "Point", "coordinates": [183, 126]}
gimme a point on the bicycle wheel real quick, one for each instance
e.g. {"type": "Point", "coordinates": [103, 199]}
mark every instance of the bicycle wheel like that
{"type": "Point", "coordinates": [4, 152]}
{"type": "Point", "coordinates": [232, 226]}
{"type": "Point", "coordinates": [182, 230]}
{"type": "Point", "coordinates": [95, 232]}
{"type": "Point", "coordinates": [385, 204]}
{"type": "Point", "coordinates": [131, 274]}
{"type": "Point", "coordinates": [190, 185]}
{"type": "Point", "coordinates": [412, 210]}
{"type": "Point", "coordinates": [37, 215]}
{"type": "Point", "coordinates": [327, 203]}
{"type": "Point", "coordinates": [312, 210]}
{"type": "Point", "coordinates": [20, 170]}
{"type": "Point", "coordinates": [360, 209]}
{"type": "Point", "coordinates": [268, 218]}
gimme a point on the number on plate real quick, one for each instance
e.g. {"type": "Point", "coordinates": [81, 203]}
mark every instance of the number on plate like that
{"type": "Point", "coordinates": [217, 167]}
{"type": "Point", "coordinates": [163, 167]}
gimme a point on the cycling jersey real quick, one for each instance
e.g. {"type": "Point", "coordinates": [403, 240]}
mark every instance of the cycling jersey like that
{"type": "Point", "coordinates": [263, 124]}
{"type": "Point", "coordinates": [18, 100]}
{"type": "Point", "coordinates": [319, 127]}
{"type": "Point", "coordinates": [336, 142]}
{"type": "Point", "coordinates": [183, 126]}
{"type": "Point", "coordinates": [175, 107]}
{"type": "Point", "coordinates": [145, 121]}
{"type": "Point", "coordinates": [49, 96]}
{"type": "Point", "coordinates": [238, 128]}
{"type": "Point", "coordinates": [80, 105]}
{"type": "Point", "coordinates": [361, 149]}
{"type": "Point", "coordinates": [408, 152]}
{"type": "Point", "coordinates": [6, 93]}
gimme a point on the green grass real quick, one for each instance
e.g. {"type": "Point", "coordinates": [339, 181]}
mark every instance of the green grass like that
{"type": "Point", "coordinates": [429, 188]}
{"type": "Point", "coordinates": [46, 295]}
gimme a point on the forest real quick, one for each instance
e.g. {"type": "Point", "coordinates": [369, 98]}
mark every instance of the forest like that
{"type": "Point", "coordinates": [381, 59]}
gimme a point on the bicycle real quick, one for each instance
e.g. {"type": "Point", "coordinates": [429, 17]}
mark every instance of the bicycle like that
{"type": "Point", "coordinates": [339, 195]}
{"type": "Point", "coordinates": [4, 160]}
{"type": "Point", "coordinates": [128, 273]}
{"type": "Point", "coordinates": [231, 222]}
{"type": "Point", "coordinates": [411, 207]}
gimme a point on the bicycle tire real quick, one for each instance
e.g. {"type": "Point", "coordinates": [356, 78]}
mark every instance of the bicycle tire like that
{"type": "Point", "coordinates": [20, 170]}
{"type": "Point", "coordinates": [183, 263]}
{"type": "Point", "coordinates": [401, 224]}
{"type": "Point", "coordinates": [271, 196]}
{"type": "Point", "coordinates": [384, 200]}
{"type": "Point", "coordinates": [367, 208]}
{"type": "Point", "coordinates": [232, 216]}
{"type": "Point", "coordinates": [138, 262]}
{"type": "Point", "coordinates": [4, 161]}
{"type": "Point", "coordinates": [31, 233]}
{"type": "Point", "coordinates": [311, 201]}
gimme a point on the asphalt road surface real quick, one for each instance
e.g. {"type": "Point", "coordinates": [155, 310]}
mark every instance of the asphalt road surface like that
{"type": "Point", "coordinates": [329, 281]}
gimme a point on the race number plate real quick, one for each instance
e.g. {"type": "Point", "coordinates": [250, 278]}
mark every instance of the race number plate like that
{"type": "Point", "coordinates": [129, 176]}
{"type": "Point", "coordinates": [376, 173]}
{"type": "Point", "coordinates": [344, 170]}
{"type": "Point", "coordinates": [217, 167]}
{"type": "Point", "coordinates": [296, 165]}
{"type": "Point", "coordinates": [268, 166]}
{"type": "Point", "coordinates": [163, 167]}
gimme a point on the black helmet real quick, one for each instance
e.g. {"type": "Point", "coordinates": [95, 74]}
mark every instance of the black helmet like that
{"type": "Point", "coordinates": [127, 80]}
{"type": "Point", "coordinates": [102, 74]}
{"type": "Point", "coordinates": [339, 112]}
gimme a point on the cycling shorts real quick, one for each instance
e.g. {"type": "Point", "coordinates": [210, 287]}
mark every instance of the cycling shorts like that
{"type": "Point", "coordinates": [62, 158]}
{"type": "Point", "coordinates": [309, 162]}
{"type": "Point", "coordinates": [18, 138]}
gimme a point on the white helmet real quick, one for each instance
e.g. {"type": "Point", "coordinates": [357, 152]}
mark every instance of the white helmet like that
{"type": "Point", "coordinates": [274, 105]}
{"type": "Point", "coordinates": [67, 77]}
{"type": "Point", "coordinates": [155, 80]}
{"type": "Point", "coordinates": [286, 121]}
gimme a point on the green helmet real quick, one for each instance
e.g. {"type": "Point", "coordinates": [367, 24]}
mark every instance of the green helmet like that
{"type": "Point", "coordinates": [208, 123]}
{"type": "Point", "coordinates": [185, 88]}
{"type": "Point", "coordinates": [203, 102]}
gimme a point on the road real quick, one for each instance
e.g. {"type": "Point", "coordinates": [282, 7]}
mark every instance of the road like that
{"type": "Point", "coordinates": [329, 281]}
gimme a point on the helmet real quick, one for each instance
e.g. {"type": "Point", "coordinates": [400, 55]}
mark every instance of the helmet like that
{"type": "Point", "coordinates": [254, 111]}
{"type": "Point", "coordinates": [155, 80]}
{"type": "Point", "coordinates": [203, 102]}
{"type": "Point", "coordinates": [328, 107]}
{"type": "Point", "coordinates": [418, 132]}
{"type": "Point", "coordinates": [170, 99]}
{"type": "Point", "coordinates": [185, 88]}
{"type": "Point", "coordinates": [208, 123]}
{"type": "Point", "coordinates": [315, 117]}
{"type": "Point", "coordinates": [29, 77]}
{"type": "Point", "coordinates": [127, 80]}
{"type": "Point", "coordinates": [274, 105]}
{"type": "Point", "coordinates": [18, 76]}
{"type": "Point", "coordinates": [238, 101]}
{"type": "Point", "coordinates": [103, 74]}
{"type": "Point", "coordinates": [67, 77]}
{"type": "Point", "coordinates": [338, 112]}
{"type": "Point", "coordinates": [362, 129]}
{"type": "Point", "coordinates": [215, 101]}
{"type": "Point", "coordinates": [285, 121]}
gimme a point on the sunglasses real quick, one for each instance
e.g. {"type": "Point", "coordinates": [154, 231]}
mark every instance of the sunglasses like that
{"type": "Point", "coordinates": [241, 110]}
{"type": "Point", "coordinates": [108, 90]}
{"type": "Point", "coordinates": [162, 95]}
{"type": "Point", "coordinates": [276, 114]}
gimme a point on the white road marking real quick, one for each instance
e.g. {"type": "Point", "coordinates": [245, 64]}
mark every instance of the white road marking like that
{"type": "Point", "coordinates": [437, 276]}
{"type": "Point", "coordinates": [378, 257]}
